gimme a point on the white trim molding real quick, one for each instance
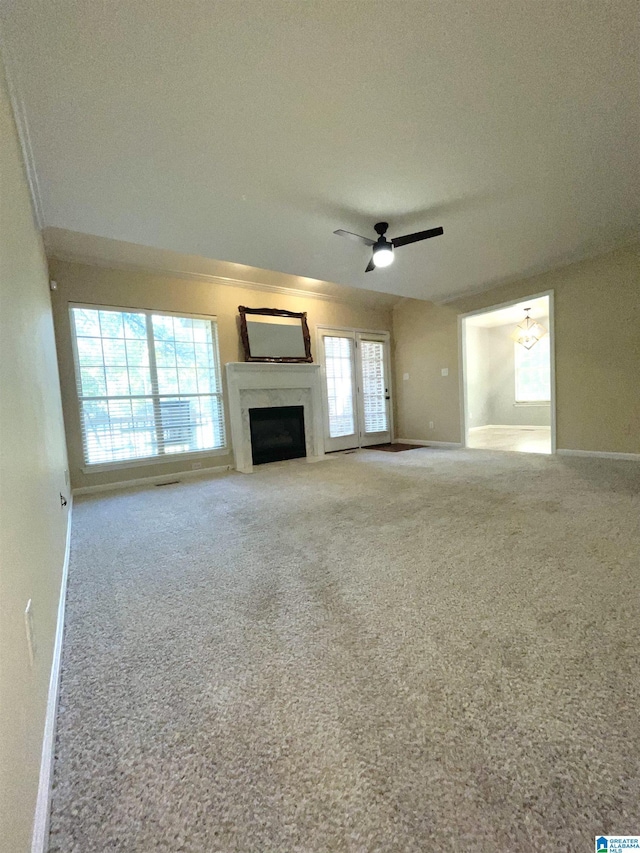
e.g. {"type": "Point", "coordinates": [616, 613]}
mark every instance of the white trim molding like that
{"type": "Point", "coordinates": [546, 269]}
{"type": "Point", "coordinates": [40, 836]}
{"type": "Point", "coordinates": [149, 481]}
{"type": "Point", "coordinates": [187, 275]}
{"type": "Point", "coordinates": [453, 445]}
{"type": "Point", "coordinates": [462, 361]}
{"type": "Point", "coordinates": [260, 385]}
{"type": "Point", "coordinates": [22, 127]}
{"type": "Point", "coordinates": [600, 454]}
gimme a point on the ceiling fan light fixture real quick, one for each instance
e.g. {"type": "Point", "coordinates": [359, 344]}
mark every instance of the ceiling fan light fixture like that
{"type": "Point", "coordinates": [382, 254]}
{"type": "Point", "coordinates": [383, 250]}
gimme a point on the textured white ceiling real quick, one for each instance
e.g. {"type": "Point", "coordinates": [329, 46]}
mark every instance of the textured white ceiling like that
{"type": "Point", "coordinates": [249, 130]}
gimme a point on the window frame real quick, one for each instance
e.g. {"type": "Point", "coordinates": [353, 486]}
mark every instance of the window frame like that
{"type": "Point", "coordinates": [88, 468]}
{"type": "Point", "coordinates": [529, 401]}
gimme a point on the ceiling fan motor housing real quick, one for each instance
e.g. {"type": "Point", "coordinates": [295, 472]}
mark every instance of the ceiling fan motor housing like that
{"type": "Point", "coordinates": [381, 242]}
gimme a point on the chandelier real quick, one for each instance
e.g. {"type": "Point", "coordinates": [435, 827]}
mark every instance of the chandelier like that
{"type": "Point", "coordinates": [529, 332]}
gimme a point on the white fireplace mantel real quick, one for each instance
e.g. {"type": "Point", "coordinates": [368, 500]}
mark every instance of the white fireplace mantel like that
{"type": "Point", "coordinates": [255, 385]}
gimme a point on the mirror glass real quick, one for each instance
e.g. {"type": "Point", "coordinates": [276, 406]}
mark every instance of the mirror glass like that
{"type": "Point", "coordinates": [275, 337]}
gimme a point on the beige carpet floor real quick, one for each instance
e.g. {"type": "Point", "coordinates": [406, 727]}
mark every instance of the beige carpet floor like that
{"type": "Point", "coordinates": [411, 652]}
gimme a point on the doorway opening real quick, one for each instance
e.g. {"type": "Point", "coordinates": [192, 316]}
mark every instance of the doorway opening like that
{"type": "Point", "coordinates": [508, 387]}
{"type": "Point", "coordinates": [357, 388]}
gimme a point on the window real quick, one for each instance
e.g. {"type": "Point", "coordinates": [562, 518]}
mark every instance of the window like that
{"type": "Point", "coordinates": [338, 357]}
{"type": "Point", "coordinates": [533, 372]}
{"type": "Point", "coordinates": [148, 384]}
{"type": "Point", "coordinates": [374, 393]}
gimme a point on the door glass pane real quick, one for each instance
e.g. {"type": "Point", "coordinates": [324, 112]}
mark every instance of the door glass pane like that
{"type": "Point", "coordinates": [373, 386]}
{"type": "Point", "coordinates": [339, 371]}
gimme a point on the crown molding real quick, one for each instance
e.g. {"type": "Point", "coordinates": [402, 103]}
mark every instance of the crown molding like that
{"type": "Point", "coordinates": [22, 127]}
{"type": "Point", "coordinates": [127, 266]}
{"type": "Point", "coordinates": [627, 243]}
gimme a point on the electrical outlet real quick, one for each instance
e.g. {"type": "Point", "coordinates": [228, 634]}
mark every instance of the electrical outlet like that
{"type": "Point", "coordinates": [430, 424]}
{"type": "Point", "coordinates": [405, 376]}
{"type": "Point", "coordinates": [31, 639]}
{"type": "Point", "coordinates": [195, 466]}
{"type": "Point", "coordinates": [445, 371]}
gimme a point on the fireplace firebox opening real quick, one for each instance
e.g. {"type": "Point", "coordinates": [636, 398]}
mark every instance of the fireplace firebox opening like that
{"type": "Point", "coordinates": [277, 433]}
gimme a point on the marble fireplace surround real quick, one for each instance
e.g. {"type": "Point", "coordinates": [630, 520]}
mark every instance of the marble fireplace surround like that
{"type": "Point", "coordinates": [254, 385]}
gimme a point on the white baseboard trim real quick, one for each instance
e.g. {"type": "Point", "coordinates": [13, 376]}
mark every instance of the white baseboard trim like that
{"type": "Point", "coordinates": [602, 454]}
{"type": "Point", "coordinates": [312, 459]}
{"type": "Point", "coordinates": [148, 481]}
{"type": "Point", "coordinates": [423, 443]}
{"type": "Point", "coordinates": [40, 837]}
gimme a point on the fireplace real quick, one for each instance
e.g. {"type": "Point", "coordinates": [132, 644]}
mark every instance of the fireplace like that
{"type": "Point", "coordinates": [277, 432]}
{"type": "Point", "coordinates": [253, 385]}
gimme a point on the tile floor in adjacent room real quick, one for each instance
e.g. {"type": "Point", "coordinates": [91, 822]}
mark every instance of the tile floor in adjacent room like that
{"type": "Point", "coordinates": [524, 439]}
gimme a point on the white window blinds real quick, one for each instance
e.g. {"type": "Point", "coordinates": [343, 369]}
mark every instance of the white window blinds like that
{"type": "Point", "coordinates": [339, 372]}
{"type": "Point", "coordinates": [373, 386]}
{"type": "Point", "coordinates": [149, 384]}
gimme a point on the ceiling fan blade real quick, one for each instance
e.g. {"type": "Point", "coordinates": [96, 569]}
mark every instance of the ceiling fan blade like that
{"type": "Point", "coordinates": [356, 237]}
{"type": "Point", "coordinates": [414, 238]}
{"type": "Point", "coordinates": [370, 266]}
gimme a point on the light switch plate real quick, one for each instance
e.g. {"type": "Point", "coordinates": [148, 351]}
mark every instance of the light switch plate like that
{"type": "Point", "coordinates": [405, 376]}
{"type": "Point", "coordinates": [445, 371]}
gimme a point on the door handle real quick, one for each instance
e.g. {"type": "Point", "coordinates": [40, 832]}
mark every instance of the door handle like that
{"type": "Point", "coordinates": [387, 398]}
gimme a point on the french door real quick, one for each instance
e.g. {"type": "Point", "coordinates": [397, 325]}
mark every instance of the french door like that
{"type": "Point", "coordinates": [356, 388]}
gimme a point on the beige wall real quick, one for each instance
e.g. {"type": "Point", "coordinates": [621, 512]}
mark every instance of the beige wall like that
{"type": "Point", "coordinates": [597, 322]}
{"type": "Point", "coordinates": [33, 524]}
{"type": "Point", "coordinates": [134, 289]}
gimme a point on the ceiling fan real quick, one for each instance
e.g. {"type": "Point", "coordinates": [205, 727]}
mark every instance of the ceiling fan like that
{"type": "Point", "coordinates": [382, 248]}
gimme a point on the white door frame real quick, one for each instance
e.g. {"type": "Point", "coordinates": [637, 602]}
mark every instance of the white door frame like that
{"type": "Point", "coordinates": [382, 333]}
{"type": "Point", "coordinates": [462, 358]}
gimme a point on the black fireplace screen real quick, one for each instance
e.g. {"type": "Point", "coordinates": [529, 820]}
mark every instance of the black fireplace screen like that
{"type": "Point", "coordinates": [277, 432]}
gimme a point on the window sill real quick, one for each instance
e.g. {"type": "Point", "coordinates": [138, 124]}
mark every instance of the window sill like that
{"type": "Point", "coordinates": [527, 403]}
{"type": "Point", "coordinates": [154, 460]}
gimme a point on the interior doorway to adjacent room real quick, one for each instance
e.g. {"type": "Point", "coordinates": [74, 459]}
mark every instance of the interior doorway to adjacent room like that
{"type": "Point", "coordinates": [508, 388]}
